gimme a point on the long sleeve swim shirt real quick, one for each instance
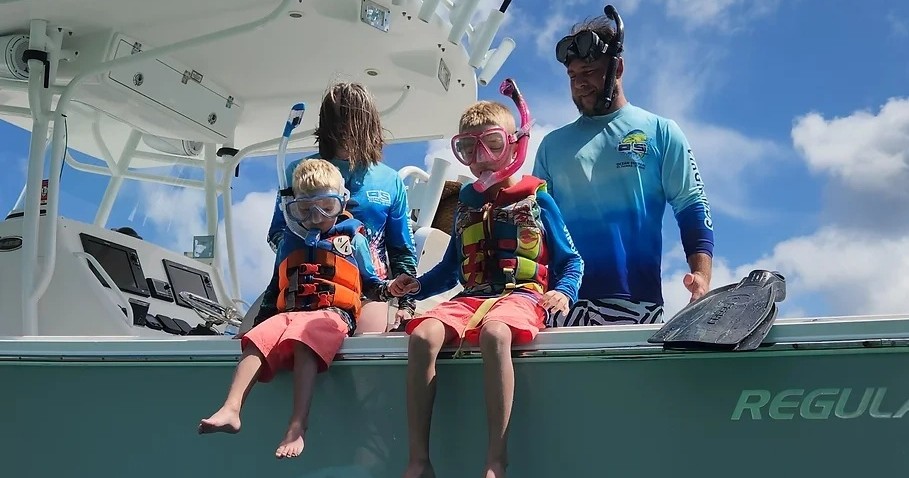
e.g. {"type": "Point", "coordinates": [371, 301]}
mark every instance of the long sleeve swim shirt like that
{"type": "Point", "coordinates": [612, 177]}
{"type": "Point", "coordinates": [565, 264]}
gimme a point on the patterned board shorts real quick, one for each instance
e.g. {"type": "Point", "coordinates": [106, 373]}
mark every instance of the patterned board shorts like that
{"type": "Point", "coordinates": [608, 312]}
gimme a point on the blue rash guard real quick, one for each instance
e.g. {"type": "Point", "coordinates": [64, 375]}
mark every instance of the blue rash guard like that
{"type": "Point", "coordinates": [612, 177]}
{"type": "Point", "coordinates": [379, 200]}
{"type": "Point", "coordinates": [565, 264]}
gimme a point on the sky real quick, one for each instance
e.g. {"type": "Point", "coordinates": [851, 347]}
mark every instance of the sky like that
{"type": "Point", "coordinates": [797, 113]}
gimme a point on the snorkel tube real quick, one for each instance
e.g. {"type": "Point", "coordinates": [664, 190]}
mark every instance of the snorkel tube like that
{"type": "Point", "coordinates": [613, 53]}
{"type": "Point", "coordinates": [294, 118]}
{"type": "Point", "coordinates": [510, 89]}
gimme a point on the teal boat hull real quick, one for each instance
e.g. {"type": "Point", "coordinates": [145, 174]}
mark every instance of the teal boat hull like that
{"type": "Point", "coordinates": [782, 411]}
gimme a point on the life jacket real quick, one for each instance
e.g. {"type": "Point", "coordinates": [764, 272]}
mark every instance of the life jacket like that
{"type": "Point", "coordinates": [502, 242]}
{"type": "Point", "coordinates": [323, 275]}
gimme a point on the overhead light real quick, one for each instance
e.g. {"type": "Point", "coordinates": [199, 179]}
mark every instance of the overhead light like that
{"type": "Point", "coordinates": [180, 147]}
{"type": "Point", "coordinates": [11, 63]}
{"type": "Point", "coordinates": [375, 15]}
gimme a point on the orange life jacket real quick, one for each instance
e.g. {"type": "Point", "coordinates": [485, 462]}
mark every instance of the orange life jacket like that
{"type": "Point", "coordinates": [323, 275]}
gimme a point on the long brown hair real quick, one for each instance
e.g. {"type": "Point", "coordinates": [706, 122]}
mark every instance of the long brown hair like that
{"type": "Point", "coordinates": [349, 119]}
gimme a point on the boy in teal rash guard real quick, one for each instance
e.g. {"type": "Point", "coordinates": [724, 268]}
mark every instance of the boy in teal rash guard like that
{"type": "Point", "coordinates": [349, 136]}
{"type": "Point", "coordinates": [612, 172]}
{"type": "Point", "coordinates": [512, 254]}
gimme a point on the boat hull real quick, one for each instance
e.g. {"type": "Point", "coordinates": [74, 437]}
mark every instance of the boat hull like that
{"type": "Point", "coordinates": [638, 414]}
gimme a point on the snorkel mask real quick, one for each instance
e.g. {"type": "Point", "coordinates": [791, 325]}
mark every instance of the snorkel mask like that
{"type": "Point", "coordinates": [491, 146]}
{"type": "Point", "coordinates": [303, 214]}
{"type": "Point", "coordinates": [587, 45]}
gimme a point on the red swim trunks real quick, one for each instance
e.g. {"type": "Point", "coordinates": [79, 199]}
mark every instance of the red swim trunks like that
{"type": "Point", "coordinates": [323, 331]}
{"type": "Point", "coordinates": [519, 310]}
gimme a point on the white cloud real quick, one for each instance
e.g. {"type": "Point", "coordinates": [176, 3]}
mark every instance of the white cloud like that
{"type": "Point", "coordinates": [857, 272]}
{"type": "Point", "coordinates": [175, 213]}
{"type": "Point", "coordinates": [868, 152]}
{"type": "Point", "coordinates": [899, 27]}
{"type": "Point", "coordinates": [556, 26]}
{"type": "Point", "coordinates": [725, 15]}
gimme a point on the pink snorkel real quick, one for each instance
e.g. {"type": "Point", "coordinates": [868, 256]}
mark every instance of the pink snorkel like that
{"type": "Point", "coordinates": [488, 178]}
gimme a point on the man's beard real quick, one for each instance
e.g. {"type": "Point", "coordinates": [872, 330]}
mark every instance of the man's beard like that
{"type": "Point", "coordinates": [598, 108]}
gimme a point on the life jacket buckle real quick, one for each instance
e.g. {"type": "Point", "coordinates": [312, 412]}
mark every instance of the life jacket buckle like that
{"type": "Point", "coordinates": [510, 281]}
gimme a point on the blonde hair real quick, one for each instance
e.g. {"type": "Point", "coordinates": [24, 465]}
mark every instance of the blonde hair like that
{"type": "Point", "coordinates": [349, 119]}
{"type": "Point", "coordinates": [312, 175]}
{"type": "Point", "coordinates": [487, 113]}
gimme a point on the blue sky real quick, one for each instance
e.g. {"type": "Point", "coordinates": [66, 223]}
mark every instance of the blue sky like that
{"type": "Point", "coordinates": [797, 112]}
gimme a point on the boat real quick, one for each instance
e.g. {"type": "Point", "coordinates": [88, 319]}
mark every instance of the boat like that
{"type": "Point", "coordinates": [96, 383]}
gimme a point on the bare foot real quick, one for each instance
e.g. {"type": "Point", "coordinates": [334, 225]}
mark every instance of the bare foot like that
{"type": "Point", "coordinates": [225, 420]}
{"type": "Point", "coordinates": [495, 469]}
{"type": "Point", "coordinates": [419, 469]}
{"type": "Point", "coordinates": [292, 444]}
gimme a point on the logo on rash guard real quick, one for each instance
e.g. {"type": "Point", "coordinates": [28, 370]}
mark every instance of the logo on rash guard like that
{"type": "Point", "coordinates": [379, 197]}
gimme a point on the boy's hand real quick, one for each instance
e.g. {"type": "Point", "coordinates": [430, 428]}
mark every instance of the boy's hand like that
{"type": "Point", "coordinates": [554, 301]}
{"type": "Point", "coordinates": [400, 316]}
{"type": "Point", "coordinates": [403, 285]}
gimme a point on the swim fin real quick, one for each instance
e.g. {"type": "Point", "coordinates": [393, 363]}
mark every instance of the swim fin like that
{"type": "Point", "coordinates": [735, 317]}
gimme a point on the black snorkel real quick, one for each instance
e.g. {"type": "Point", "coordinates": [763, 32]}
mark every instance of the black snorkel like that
{"type": "Point", "coordinates": [613, 53]}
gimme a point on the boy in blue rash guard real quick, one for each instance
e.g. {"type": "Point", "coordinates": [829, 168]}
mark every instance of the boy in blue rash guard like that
{"type": "Point", "coordinates": [512, 254]}
{"type": "Point", "coordinates": [349, 136]}
{"type": "Point", "coordinates": [612, 172]}
{"type": "Point", "coordinates": [318, 302]}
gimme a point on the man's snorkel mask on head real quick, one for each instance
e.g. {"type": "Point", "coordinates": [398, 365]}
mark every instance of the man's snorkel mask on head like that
{"type": "Point", "coordinates": [303, 213]}
{"type": "Point", "coordinates": [586, 45]}
{"type": "Point", "coordinates": [470, 148]}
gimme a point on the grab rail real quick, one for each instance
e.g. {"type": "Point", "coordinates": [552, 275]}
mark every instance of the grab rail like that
{"type": "Point", "coordinates": [130, 320]}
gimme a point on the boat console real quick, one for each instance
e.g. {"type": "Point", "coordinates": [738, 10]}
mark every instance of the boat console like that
{"type": "Point", "coordinates": [106, 283]}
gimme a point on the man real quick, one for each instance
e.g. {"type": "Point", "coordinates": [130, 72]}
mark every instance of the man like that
{"type": "Point", "coordinates": [612, 172]}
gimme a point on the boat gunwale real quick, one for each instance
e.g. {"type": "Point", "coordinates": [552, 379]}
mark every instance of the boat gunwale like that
{"type": "Point", "coordinates": [616, 342]}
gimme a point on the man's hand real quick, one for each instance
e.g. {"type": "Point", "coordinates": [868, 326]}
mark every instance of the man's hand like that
{"type": "Point", "coordinates": [696, 283]}
{"type": "Point", "coordinates": [403, 285]}
{"type": "Point", "coordinates": [554, 301]}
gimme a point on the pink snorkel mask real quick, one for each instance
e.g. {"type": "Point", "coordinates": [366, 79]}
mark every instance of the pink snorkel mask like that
{"type": "Point", "coordinates": [491, 147]}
